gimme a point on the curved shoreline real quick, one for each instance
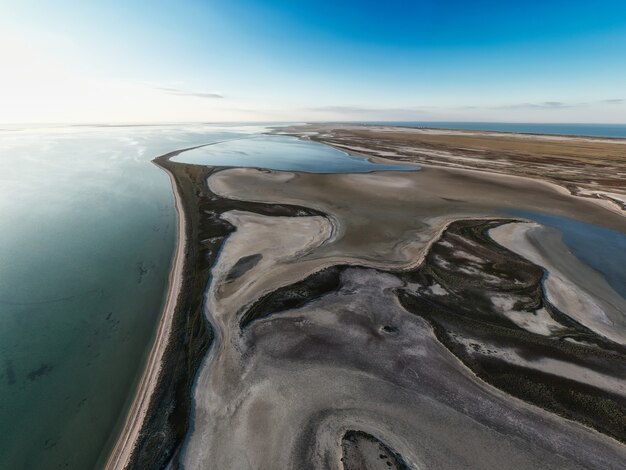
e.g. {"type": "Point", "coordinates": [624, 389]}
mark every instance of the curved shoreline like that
{"type": "Point", "coordinates": [120, 455]}
{"type": "Point", "coordinates": [605, 199]}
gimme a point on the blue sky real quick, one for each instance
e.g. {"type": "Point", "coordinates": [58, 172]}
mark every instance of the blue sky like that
{"type": "Point", "coordinates": [278, 60]}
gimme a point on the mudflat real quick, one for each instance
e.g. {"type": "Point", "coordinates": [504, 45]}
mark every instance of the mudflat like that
{"type": "Point", "coordinates": [394, 319]}
{"type": "Point", "coordinates": [587, 166]}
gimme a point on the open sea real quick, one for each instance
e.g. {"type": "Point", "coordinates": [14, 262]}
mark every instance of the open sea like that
{"type": "Point", "coordinates": [87, 236]}
{"type": "Point", "coordinates": [589, 130]}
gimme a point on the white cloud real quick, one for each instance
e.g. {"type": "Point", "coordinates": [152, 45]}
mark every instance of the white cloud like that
{"type": "Point", "coordinates": [195, 94]}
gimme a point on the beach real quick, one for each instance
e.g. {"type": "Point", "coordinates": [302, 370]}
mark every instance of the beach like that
{"type": "Point", "coordinates": [302, 235]}
{"type": "Point", "coordinates": [76, 329]}
{"type": "Point", "coordinates": [121, 453]}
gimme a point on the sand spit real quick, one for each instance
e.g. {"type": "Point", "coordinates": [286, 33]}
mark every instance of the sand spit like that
{"type": "Point", "coordinates": [158, 422]}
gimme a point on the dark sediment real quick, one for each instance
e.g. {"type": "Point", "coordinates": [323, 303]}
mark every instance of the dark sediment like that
{"type": "Point", "coordinates": [293, 296]}
{"type": "Point", "coordinates": [457, 303]}
{"type": "Point", "coordinates": [362, 451]}
{"type": "Point", "coordinates": [472, 327]}
{"type": "Point", "coordinates": [476, 318]}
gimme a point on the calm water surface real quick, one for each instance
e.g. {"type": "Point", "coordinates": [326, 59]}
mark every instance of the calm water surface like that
{"type": "Point", "coordinates": [601, 248]}
{"type": "Point", "coordinates": [87, 235]}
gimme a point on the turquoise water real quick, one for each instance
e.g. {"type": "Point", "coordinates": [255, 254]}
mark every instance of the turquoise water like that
{"type": "Point", "coordinates": [283, 153]}
{"type": "Point", "coordinates": [88, 231]}
{"type": "Point", "coordinates": [591, 130]}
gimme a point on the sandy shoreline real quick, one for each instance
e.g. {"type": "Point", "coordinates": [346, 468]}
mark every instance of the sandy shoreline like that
{"type": "Point", "coordinates": [121, 453]}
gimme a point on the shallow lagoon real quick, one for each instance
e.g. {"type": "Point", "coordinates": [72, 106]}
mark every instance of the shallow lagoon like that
{"type": "Point", "coordinates": [282, 153]}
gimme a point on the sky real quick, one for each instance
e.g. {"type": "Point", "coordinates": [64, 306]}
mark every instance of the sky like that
{"type": "Point", "coordinates": [284, 60]}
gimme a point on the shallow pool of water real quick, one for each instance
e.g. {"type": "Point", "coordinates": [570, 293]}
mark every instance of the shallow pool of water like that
{"type": "Point", "coordinates": [283, 153]}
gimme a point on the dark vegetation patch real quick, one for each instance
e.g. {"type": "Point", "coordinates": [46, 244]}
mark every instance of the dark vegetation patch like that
{"type": "Point", "coordinates": [362, 451]}
{"type": "Point", "coordinates": [242, 266]}
{"type": "Point", "coordinates": [471, 314]}
{"type": "Point", "coordinates": [293, 296]}
{"type": "Point", "coordinates": [573, 400]}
